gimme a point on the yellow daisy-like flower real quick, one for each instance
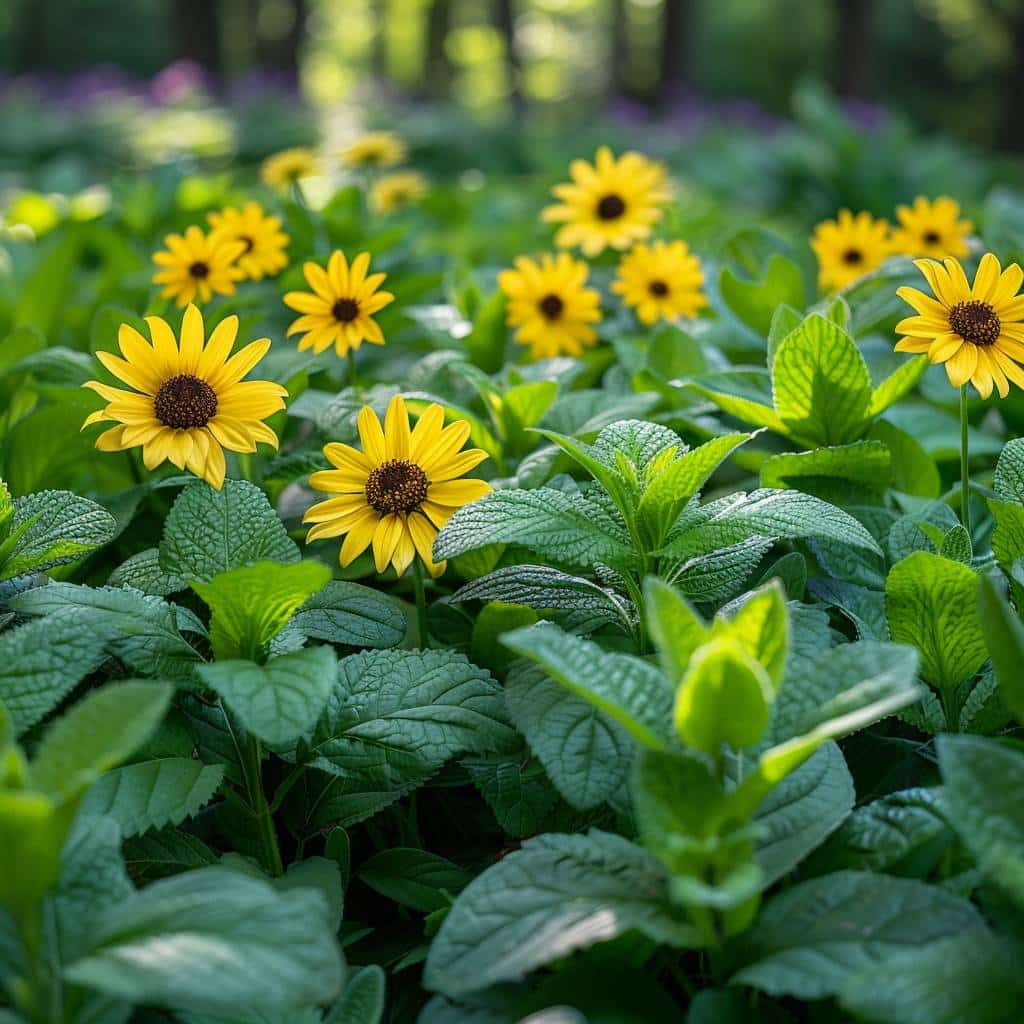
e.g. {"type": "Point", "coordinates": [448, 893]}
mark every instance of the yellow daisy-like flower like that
{"type": "Point", "coordinates": [931, 229]}
{"type": "Point", "coordinates": [848, 247]}
{"type": "Point", "coordinates": [550, 306]}
{"type": "Point", "coordinates": [612, 202]}
{"type": "Point", "coordinates": [661, 281]}
{"type": "Point", "coordinates": [263, 240]}
{"type": "Point", "coordinates": [399, 490]}
{"type": "Point", "coordinates": [190, 401]}
{"type": "Point", "coordinates": [283, 169]}
{"type": "Point", "coordinates": [975, 330]}
{"type": "Point", "coordinates": [394, 191]}
{"type": "Point", "coordinates": [340, 308]}
{"type": "Point", "coordinates": [196, 265]}
{"type": "Point", "coordinates": [375, 149]}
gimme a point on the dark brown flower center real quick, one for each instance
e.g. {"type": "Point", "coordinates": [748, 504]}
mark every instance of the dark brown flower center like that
{"type": "Point", "coordinates": [396, 486]}
{"type": "Point", "coordinates": [658, 289]}
{"type": "Point", "coordinates": [931, 238]}
{"type": "Point", "coordinates": [345, 310]}
{"type": "Point", "coordinates": [199, 269]}
{"type": "Point", "coordinates": [853, 257]}
{"type": "Point", "coordinates": [185, 401]}
{"type": "Point", "coordinates": [975, 321]}
{"type": "Point", "coordinates": [551, 306]}
{"type": "Point", "coordinates": [248, 243]}
{"type": "Point", "coordinates": [611, 207]}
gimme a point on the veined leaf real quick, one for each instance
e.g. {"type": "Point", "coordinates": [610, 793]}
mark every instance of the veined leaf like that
{"type": "Point", "coordinates": [829, 472]}
{"type": "Point", "coordinates": [1004, 637]}
{"type": "Point", "coordinates": [347, 613]}
{"type": "Point", "coordinates": [1008, 479]}
{"type": "Point", "coordinates": [897, 384]}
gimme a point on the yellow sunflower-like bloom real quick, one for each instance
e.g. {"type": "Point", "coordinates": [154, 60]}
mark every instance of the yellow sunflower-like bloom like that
{"type": "Point", "coordinates": [848, 247]}
{"type": "Point", "coordinates": [263, 241]}
{"type": "Point", "coordinates": [375, 149]}
{"type": "Point", "coordinates": [394, 191]}
{"type": "Point", "coordinates": [661, 281]}
{"type": "Point", "coordinates": [399, 490]}
{"type": "Point", "coordinates": [190, 401]}
{"type": "Point", "coordinates": [281, 170]}
{"type": "Point", "coordinates": [195, 265]}
{"type": "Point", "coordinates": [550, 306]}
{"type": "Point", "coordinates": [975, 330]}
{"type": "Point", "coordinates": [612, 202]}
{"type": "Point", "coordinates": [931, 229]}
{"type": "Point", "coordinates": [340, 308]}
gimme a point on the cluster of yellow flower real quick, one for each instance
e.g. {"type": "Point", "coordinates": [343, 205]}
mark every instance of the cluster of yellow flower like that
{"type": "Point", "coordinates": [612, 203]}
{"type": "Point", "coordinates": [851, 246]}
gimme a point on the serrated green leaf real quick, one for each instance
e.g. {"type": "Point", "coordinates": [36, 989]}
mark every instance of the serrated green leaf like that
{"type": "Point", "coordinates": [414, 878]}
{"type": "Point", "coordinates": [831, 473]}
{"type": "Point", "coordinates": [167, 852]}
{"type": "Point", "coordinates": [515, 788]}
{"type": "Point", "coordinates": [1008, 535]}
{"type": "Point", "coordinates": [142, 572]}
{"type": "Point", "coordinates": [350, 614]}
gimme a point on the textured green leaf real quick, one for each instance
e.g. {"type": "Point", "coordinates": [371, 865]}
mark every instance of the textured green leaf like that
{"type": "Point", "coordinates": [760, 625]}
{"type": "Point", "coordinates": [251, 605]}
{"type": "Point", "coordinates": [1008, 479]}
{"type": "Point", "coordinates": [142, 572]}
{"type": "Point", "coordinates": [151, 794]}
{"type": "Point", "coordinates": [931, 603]}
{"type": "Point", "coordinates": [515, 788]}
{"type": "Point", "coordinates": [167, 852]}
{"type": "Point", "coordinates": [362, 1002]}
{"type": "Point", "coordinates": [810, 939]}
{"type": "Point", "coordinates": [821, 384]}
{"type": "Point", "coordinates": [1008, 535]}
{"type": "Point", "coordinates": [215, 941]}
{"type": "Point", "coordinates": [723, 573]}
{"type": "Point", "coordinates": [730, 396]}
{"type": "Point", "coordinates": [755, 302]}
{"type": "Point", "coordinates": [350, 614]}
{"type": "Point", "coordinates": [558, 893]}
{"type": "Point", "coordinates": [208, 532]}
{"type": "Point", "coordinates": [639, 442]}
{"type": "Point", "coordinates": [414, 878]}
{"type": "Point", "coordinates": [831, 472]}
{"type": "Point", "coordinates": [585, 753]}
{"type": "Point", "coordinates": [1004, 636]}
{"type": "Point", "coordinates": [628, 690]}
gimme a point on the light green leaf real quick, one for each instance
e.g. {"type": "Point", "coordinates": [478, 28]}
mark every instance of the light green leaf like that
{"type": "Point", "coordinates": [931, 603]}
{"type": "Point", "coordinates": [743, 407]}
{"type": "Point", "coordinates": [556, 894]}
{"type": "Point", "coordinates": [830, 472]}
{"type": "Point", "coordinates": [897, 384]}
{"type": "Point", "coordinates": [151, 794]}
{"type": "Point", "coordinates": [676, 629]}
{"type": "Point", "coordinates": [1004, 637]}
{"type": "Point", "coordinates": [761, 627]}
{"type": "Point", "coordinates": [913, 469]}
{"type": "Point", "coordinates": [251, 605]}
{"type": "Point", "coordinates": [1008, 479]}
{"type": "Point", "coordinates": [278, 701]}
{"type": "Point", "coordinates": [630, 691]}
{"type": "Point", "coordinates": [755, 302]}
{"type": "Point", "coordinates": [208, 532]}
{"type": "Point", "coordinates": [1008, 535]}
{"type": "Point", "coordinates": [639, 442]}
{"type": "Point", "coordinates": [821, 384]}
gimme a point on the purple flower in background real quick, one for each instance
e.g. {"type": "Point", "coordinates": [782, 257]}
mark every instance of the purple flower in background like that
{"type": "Point", "coordinates": [178, 80]}
{"type": "Point", "coordinates": [104, 83]}
{"type": "Point", "coordinates": [868, 117]}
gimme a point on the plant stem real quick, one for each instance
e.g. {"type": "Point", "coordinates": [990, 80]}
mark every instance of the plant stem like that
{"type": "Point", "coordinates": [260, 807]}
{"type": "Point", "coordinates": [951, 709]}
{"type": "Point", "coordinates": [299, 196]}
{"type": "Point", "coordinates": [965, 480]}
{"type": "Point", "coordinates": [245, 465]}
{"type": "Point", "coordinates": [353, 376]}
{"type": "Point", "coordinates": [421, 603]}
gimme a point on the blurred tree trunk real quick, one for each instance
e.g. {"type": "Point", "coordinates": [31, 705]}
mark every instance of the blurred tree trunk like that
{"type": "Point", "coordinates": [619, 79]}
{"type": "Point", "coordinates": [196, 25]}
{"type": "Point", "coordinates": [853, 48]}
{"type": "Point", "coordinates": [513, 63]}
{"type": "Point", "coordinates": [1009, 130]}
{"type": "Point", "coordinates": [282, 53]}
{"type": "Point", "coordinates": [437, 68]}
{"type": "Point", "coordinates": [379, 51]}
{"type": "Point", "coordinates": [674, 64]}
{"type": "Point", "coordinates": [29, 48]}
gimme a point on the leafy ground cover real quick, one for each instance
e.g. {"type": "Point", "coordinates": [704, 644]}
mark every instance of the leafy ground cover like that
{"type": "Point", "coordinates": [440, 601]}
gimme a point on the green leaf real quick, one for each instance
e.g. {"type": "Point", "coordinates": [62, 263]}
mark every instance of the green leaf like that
{"type": "Point", "coordinates": [251, 605]}
{"type": "Point", "coordinates": [142, 572]}
{"type": "Point", "coordinates": [151, 794]}
{"type": "Point", "coordinates": [956, 545]}
{"type": "Point", "coordinates": [1008, 535]}
{"type": "Point", "coordinates": [724, 698]}
{"type": "Point", "coordinates": [215, 941]}
{"type": "Point", "coordinates": [1008, 479]}
{"type": "Point", "coordinates": [515, 788]}
{"type": "Point", "coordinates": [821, 384]}
{"type": "Point", "coordinates": [278, 701]}
{"type": "Point", "coordinates": [486, 342]}
{"type": "Point", "coordinates": [350, 614]}
{"type": "Point", "coordinates": [414, 878]}
{"type": "Point", "coordinates": [394, 714]}
{"type": "Point", "coordinates": [52, 528]}
{"type": "Point", "coordinates": [744, 407]}
{"type": "Point", "coordinates": [1004, 637]}
{"type": "Point", "coordinates": [676, 629]}
{"type": "Point", "coordinates": [832, 473]}
{"type": "Point", "coordinates": [167, 852]}
{"type": "Point", "coordinates": [98, 733]}
{"type": "Point", "coordinates": [628, 690]}
{"type": "Point", "coordinates": [637, 441]}
{"type": "Point", "coordinates": [362, 1002]}
{"type": "Point", "coordinates": [208, 532]}
{"type": "Point", "coordinates": [755, 302]}
{"type": "Point", "coordinates": [812, 938]}
{"type": "Point", "coordinates": [556, 894]}
{"type": "Point", "coordinates": [913, 469]}
{"type": "Point", "coordinates": [968, 979]}
{"type": "Point", "coordinates": [585, 753]}
{"type": "Point", "coordinates": [931, 603]}
{"type": "Point", "coordinates": [563, 526]}
{"type": "Point", "coordinates": [984, 795]}
{"type": "Point", "coordinates": [760, 626]}
{"type": "Point", "coordinates": [897, 384]}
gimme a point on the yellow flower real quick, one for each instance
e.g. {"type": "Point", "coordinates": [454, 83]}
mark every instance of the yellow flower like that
{"type": "Point", "coordinates": [190, 401]}
{"type": "Point", "coordinates": [375, 149]}
{"type": "Point", "coordinates": [394, 191]}
{"type": "Point", "coordinates": [976, 331]}
{"type": "Point", "coordinates": [550, 306]}
{"type": "Point", "coordinates": [399, 490]}
{"type": "Point", "coordinates": [931, 229]}
{"type": "Point", "coordinates": [261, 236]}
{"type": "Point", "coordinates": [281, 170]}
{"type": "Point", "coordinates": [849, 247]}
{"type": "Point", "coordinates": [195, 265]}
{"type": "Point", "coordinates": [612, 202]}
{"type": "Point", "coordinates": [341, 305]}
{"type": "Point", "coordinates": [661, 281]}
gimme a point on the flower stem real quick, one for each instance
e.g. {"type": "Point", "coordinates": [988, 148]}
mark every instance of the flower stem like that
{"type": "Point", "coordinates": [260, 807]}
{"type": "Point", "coordinates": [353, 375]}
{"type": "Point", "coordinates": [421, 603]}
{"type": "Point", "coordinates": [965, 481]}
